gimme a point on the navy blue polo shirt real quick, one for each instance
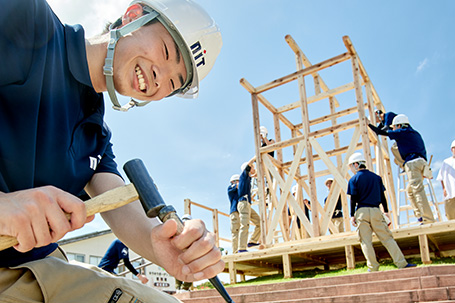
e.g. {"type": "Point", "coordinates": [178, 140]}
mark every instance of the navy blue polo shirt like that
{"type": "Point", "coordinates": [368, 189]}
{"type": "Point", "coordinates": [51, 119]}
{"type": "Point", "coordinates": [245, 185]}
{"type": "Point", "coordinates": [233, 195]}
{"type": "Point", "coordinates": [410, 143]}
{"type": "Point", "coordinates": [117, 251]}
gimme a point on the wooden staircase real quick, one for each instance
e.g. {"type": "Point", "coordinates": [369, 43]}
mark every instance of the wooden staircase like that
{"type": "Point", "coordinates": [420, 284]}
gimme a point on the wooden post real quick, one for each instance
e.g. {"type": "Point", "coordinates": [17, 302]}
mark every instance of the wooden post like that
{"type": "Point", "coordinates": [350, 256]}
{"type": "Point", "coordinates": [287, 266]}
{"type": "Point", "coordinates": [424, 249]}
{"type": "Point", "coordinates": [259, 168]}
{"type": "Point", "coordinates": [232, 272]}
{"type": "Point", "coordinates": [216, 228]}
{"type": "Point", "coordinates": [187, 206]}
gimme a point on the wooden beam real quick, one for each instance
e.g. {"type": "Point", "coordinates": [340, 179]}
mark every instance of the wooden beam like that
{"type": "Point", "coordinates": [306, 71]}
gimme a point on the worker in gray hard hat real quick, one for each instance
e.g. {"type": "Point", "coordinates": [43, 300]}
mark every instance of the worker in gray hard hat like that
{"type": "Point", "coordinates": [55, 143]}
{"type": "Point", "coordinates": [367, 193]}
{"type": "Point", "coordinates": [412, 150]}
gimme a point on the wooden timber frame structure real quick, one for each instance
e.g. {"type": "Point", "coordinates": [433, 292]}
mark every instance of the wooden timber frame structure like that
{"type": "Point", "coordinates": [317, 242]}
{"type": "Point", "coordinates": [304, 140]}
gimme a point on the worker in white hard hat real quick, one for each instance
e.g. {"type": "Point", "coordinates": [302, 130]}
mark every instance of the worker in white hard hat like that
{"type": "Point", "coordinates": [246, 212]}
{"type": "Point", "coordinates": [366, 191]}
{"type": "Point", "coordinates": [412, 150]}
{"type": "Point", "coordinates": [447, 177]}
{"type": "Point", "coordinates": [337, 216]}
{"type": "Point", "coordinates": [266, 141]}
{"type": "Point", "coordinates": [55, 143]}
{"type": "Point", "coordinates": [233, 194]}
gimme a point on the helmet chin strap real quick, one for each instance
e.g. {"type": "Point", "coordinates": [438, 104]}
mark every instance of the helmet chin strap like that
{"type": "Point", "coordinates": [108, 69]}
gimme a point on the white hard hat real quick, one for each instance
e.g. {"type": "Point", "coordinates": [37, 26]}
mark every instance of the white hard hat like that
{"type": "Point", "coordinates": [453, 144]}
{"type": "Point", "coordinates": [235, 177]}
{"type": "Point", "coordinates": [263, 131]}
{"type": "Point", "coordinates": [356, 157]}
{"type": "Point", "coordinates": [400, 119]}
{"type": "Point", "coordinates": [193, 30]}
{"type": "Point", "coordinates": [243, 166]}
{"type": "Point", "coordinates": [186, 217]}
{"type": "Point", "coordinates": [294, 189]}
{"type": "Point", "coordinates": [329, 179]}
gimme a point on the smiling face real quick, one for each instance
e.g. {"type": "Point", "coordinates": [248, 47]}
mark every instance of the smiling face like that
{"type": "Point", "coordinates": [148, 64]}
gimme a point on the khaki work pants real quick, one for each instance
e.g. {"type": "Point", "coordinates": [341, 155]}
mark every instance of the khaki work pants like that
{"type": "Point", "coordinates": [416, 192]}
{"type": "Point", "coordinates": [339, 224]}
{"type": "Point", "coordinates": [449, 206]}
{"type": "Point", "coordinates": [369, 220]}
{"type": "Point", "coordinates": [246, 213]}
{"type": "Point", "coordinates": [235, 228]}
{"type": "Point", "coordinates": [396, 154]}
{"type": "Point", "coordinates": [54, 280]}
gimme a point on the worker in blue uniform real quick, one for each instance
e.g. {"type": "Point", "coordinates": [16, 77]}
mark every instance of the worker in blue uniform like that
{"type": "Point", "coordinates": [366, 191]}
{"type": "Point", "coordinates": [55, 143]}
{"type": "Point", "coordinates": [117, 252]}
{"type": "Point", "coordinates": [246, 213]}
{"type": "Point", "coordinates": [233, 194]}
{"type": "Point", "coordinates": [412, 150]}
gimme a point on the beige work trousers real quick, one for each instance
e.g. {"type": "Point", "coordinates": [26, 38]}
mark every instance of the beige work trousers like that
{"type": "Point", "coordinates": [339, 224]}
{"type": "Point", "coordinates": [416, 192]}
{"type": "Point", "coordinates": [449, 206]}
{"type": "Point", "coordinates": [246, 213]}
{"type": "Point", "coordinates": [54, 280]}
{"type": "Point", "coordinates": [396, 154]}
{"type": "Point", "coordinates": [235, 228]}
{"type": "Point", "coordinates": [369, 220]}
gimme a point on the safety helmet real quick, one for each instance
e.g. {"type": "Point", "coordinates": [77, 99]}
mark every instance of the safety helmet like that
{"type": "Point", "coordinates": [193, 30]}
{"type": "Point", "coordinates": [263, 131]}
{"type": "Point", "coordinates": [400, 119]}
{"type": "Point", "coordinates": [235, 177]}
{"type": "Point", "coordinates": [378, 111]}
{"type": "Point", "coordinates": [356, 157]}
{"type": "Point", "coordinates": [327, 180]}
{"type": "Point", "coordinates": [453, 144]}
{"type": "Point", "coordinates": [186, 217]}
{"type": "Point", "coordinates": [294, 189]}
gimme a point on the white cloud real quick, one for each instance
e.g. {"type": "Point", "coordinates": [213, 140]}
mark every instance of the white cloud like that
{"type": "Point", "coordinates": [422, 65]}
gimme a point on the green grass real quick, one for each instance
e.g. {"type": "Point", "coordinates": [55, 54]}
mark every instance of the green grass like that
{"type": "Point", "coordinates": [319, 273]}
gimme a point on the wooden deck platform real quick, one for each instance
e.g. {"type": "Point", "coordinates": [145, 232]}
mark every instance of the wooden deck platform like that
{"type": "Point", "coordinates": [340, 250]}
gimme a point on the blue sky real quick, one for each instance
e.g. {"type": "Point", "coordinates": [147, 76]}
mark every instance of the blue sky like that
{"type": "Point", "coordinates": [192, 147]}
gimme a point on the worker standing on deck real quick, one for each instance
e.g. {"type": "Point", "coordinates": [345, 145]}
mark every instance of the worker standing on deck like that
{"type": "Point", "coordinates": [246, 213]}
{"type": "Point", "coordinates": [233, 194]}
{"type": "Point", "coordinates": [447, 177]}
{"type": "Point", "coordinates": [367, 193]}
{"type": "Point", "coordinates": [337, 217]}
{"type": "Point", "coordinates": [412, 150]}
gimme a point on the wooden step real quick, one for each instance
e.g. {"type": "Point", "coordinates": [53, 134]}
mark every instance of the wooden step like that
{"type": "Point", "coordinates": [431, 283]}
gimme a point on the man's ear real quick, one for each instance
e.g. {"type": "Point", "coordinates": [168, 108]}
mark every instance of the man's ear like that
{"type": "Point", "coordinates": [132, 13]}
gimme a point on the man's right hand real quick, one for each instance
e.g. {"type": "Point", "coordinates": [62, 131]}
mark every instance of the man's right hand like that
{"type": "Point", "coordinates": [36, 217]}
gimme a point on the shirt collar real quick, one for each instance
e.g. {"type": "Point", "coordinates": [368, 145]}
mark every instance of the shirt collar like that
{"type": "Point", "coordinates": [77, 55]}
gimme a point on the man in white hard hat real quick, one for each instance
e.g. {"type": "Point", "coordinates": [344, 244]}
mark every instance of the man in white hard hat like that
{"type": "Point", "coordinates": [337, 217]}
{"type": "Point", "coordinates": [246, 213]}
{"type": "Point", "coordinates": [367, 193]}
{"type": "Point", "coordinates": [55, 143]}
{"type": "Point", "coordinates": [447, 177]}
{"type": "Point", "coordinates": [413, 152]}
{"type": "Point", "coordinates": [266, 141]}
{"type": "Point", "coordinates": [385, 121]}
{"type": "Point", "coordinates": [233, 194]}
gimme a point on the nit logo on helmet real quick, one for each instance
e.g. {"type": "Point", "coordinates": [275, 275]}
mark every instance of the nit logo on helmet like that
{"type": "Point", "coordinates": [198, 53]}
